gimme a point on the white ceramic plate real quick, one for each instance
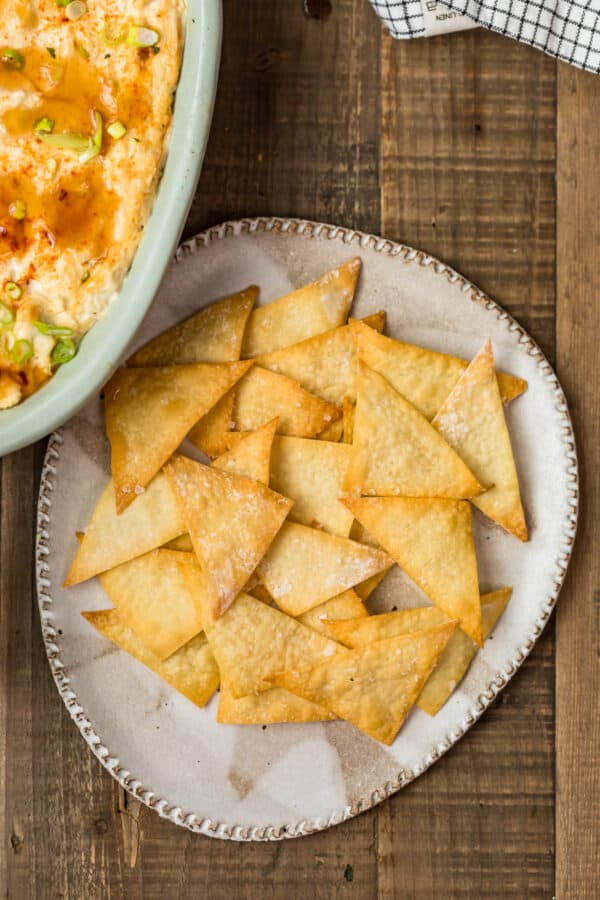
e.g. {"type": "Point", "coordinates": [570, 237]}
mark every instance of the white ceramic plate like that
{"type": "Point", "coordinates": [248, 782]}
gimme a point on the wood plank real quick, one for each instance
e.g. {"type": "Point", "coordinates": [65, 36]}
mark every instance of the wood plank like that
{"type": "Point", "coordinates": [296, 125]}
{"type": "Point", "coordinates": [578, 613]}
{"type": "Point", "coordinates": [467, 173]}
{"type": "Point", "coordinates": [467, 170]}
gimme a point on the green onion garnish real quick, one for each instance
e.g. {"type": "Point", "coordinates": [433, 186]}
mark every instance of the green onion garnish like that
{"type": "Point", "coordinates": [17, 209]}
{"type": "Point", "coordinates": [62, 2]}
{"type": "Point", "coordinates": [116, 130]}
{"type": "Point", "coordinates": [63, 352]}
{"type": "Point", "coordinates": [85, 276]}
{"type": "Point", "coordinates": [7, 316]}
{"type": "Point", "coordinates": [54, 330]}
{"type": "Point", "coordinates": [12, 58]}
{"type": "Point", "coordinates": [82, 51]}
{"type": "Point", "coordinates": [13, 290]}
{"type": "Point", "coordinates": [52, 52]}
{"type": "Point", "coordinates": [85, 148]}
{"type": "Point", "coordinates": [75, 10]}
{"type": "Point", "coordinates": [43, 125]}
{"type": "Point", "coordinates": [140, 36]}
{"type": "Point", "coordinates": [21, 351]}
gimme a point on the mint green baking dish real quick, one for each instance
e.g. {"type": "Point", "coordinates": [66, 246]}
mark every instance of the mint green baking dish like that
{"type": "Point", "coordinates": [103, 346]}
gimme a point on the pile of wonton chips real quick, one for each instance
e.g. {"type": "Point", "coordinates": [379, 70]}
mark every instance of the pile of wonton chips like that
{"type": "Point", "coordinates": [336, 453]}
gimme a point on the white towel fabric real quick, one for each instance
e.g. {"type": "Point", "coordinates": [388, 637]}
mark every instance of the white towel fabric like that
{"type": "Point", "coordinates": [566, 29]}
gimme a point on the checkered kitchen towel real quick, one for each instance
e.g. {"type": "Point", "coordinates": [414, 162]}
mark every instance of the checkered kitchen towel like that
{"type": "Point", "coordinates": [567, 29]}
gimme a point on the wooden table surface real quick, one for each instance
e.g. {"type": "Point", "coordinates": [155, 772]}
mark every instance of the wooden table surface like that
{"type": "Point", "coordinates": [484, 153]}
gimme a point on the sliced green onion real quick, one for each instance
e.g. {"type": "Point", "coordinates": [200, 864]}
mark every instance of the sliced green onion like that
{"type": "Point", "coordinates": [116, 130]}
{"type": "Point", "coordinates": [86, 148]}
{"type": "Point", "coordinates": [43, 125]}
{"type": "Point", "coordinates": [62, 2]}
{"type": "Point", "coordinates": [12, 58]}
{"type": "Point", "coordinates": [75, 10]}
{"type": "Point", "coordinates": [111, 36]}
{"type": "Point", "coordinates": [13, 290]}
{"type": "Point", "coordinates": [67, 140]}
{"type": "Point", "coordinates": [17, 209]}
{"type": "Point", "coordinates": [21, 351]}
{"type": "Point", "coordinates": [63, 352]}
{"type": "Point", "coordinates": [140, 36]}
{"type": "Point", "coordinates": [7, 317]}
{"type": "Point", "coordinates": [54, 330]}
{"type": "Point", "coordinates": [85, 276]}
{"type": "Point", "coordinates": [52, 52]}
{"type": "Point", "coordinates": [82, 51]}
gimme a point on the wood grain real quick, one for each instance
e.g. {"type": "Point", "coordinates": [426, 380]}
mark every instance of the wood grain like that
{"type": "Point", "coordinates": [578, 614]}
{"type": "Point", "coordinates": [467, 173]}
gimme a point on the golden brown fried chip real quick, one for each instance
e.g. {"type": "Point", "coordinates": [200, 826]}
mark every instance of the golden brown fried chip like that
{"type": "Point", "coordinates": [432, 541]}
{"type": "Point", "coordinates": [149, 412]}
{"type": "Point", "coordinates": [373, 687]}
{"type": "Point", "coordinates": [472, 421]}
{"type": "Point", "coordinates": [348, 407]}
{"type": "Point", "coordinates": [231, 521]}
{"type": "Point", "coordinates": [325, 364]}
{"type": "Point", "coordinates": [366, 588]}
{"type": "Point", "coordinates": [112, 539]}
{"type": "Point", "coordinates": [213, 335]}
{"type": "Point", "coordinates": [423, 376]}
{"type": "Point", "coordinates": [304, 567]}
{"type": "Point", "coordinates": [211, 433]}
{"type": "Point", "coordinates": [311, 309]}
{"type": "Point", "coordinates": [191, 670]}
{"type": "Point", "coordinates": [311, 473]}
{"type": "Point", "coordinates": [333, 432]}
{"type": "Point", "coordinates": [263, 395]}
{"type": "Point", "coordinates": [363, 631]}
{"type": "Point", "coordinates": [153, 598]}
{"type": "Point", "coordinates": [270, 707]}
{"type": "Point", "coordinates": [345, 606]}
{"type": "Point", "coordinates": [456, 658]}
{"type": "Point", "coordinates": [252, 641]}
{"type": "Point", "coordinates": [252, 455]}
{"type": "Point", "coordinates": [397, 451]}
{"type": "Point", "coordinates": [182, 543]}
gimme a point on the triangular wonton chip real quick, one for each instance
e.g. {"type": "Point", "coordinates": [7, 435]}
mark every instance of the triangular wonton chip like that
{"type": "Point", "coordinates": [397, 451]}
{"type": "Point", "coordinates": [348, 407]}
{"type": "Point", "coordinates": [304, 567]}
{"type": "Point", "coordinates": [252, 455]}
{"type": "Point", "coordinates": [373, 687]}
{"type": "Point", "coordinates": [252, 641]}
{"type": "Point", "coordinates": [213, 335]}
{"type": "Point", "coordinates": [182, 543]}
{"type": "Point", "coordinates": [211, 433]}
{"type": "Point", "coordinates": [472, 421]}
{"type": "Point", "coordinates": [312, 473]}
{"type": "Point", "coordinates": [362, 631]}
{"type": "Point", "coordinates": [458, 655]}
{"type": "Point", "coordinates": [231, 521]}
{"type": "Point", "coordinates": [345, 606]}
{"type": "Point", "coordinates": [263, 395]}
{"type": "Point", "coordinates": [192, 670]}
{"type": "Point", "coordinates": [333, 432]}
{"type": "Point", "coordinates": [309, 310]}
{"type": "Point", "coordinates": [149, 412]}
{"type": "Point", "coordinates": [270, 707]}
{"type": "Point", "coordinates": [154, 599]}
{"type": "Point", "coordinates": [112, 539]}
{"type": "Point", "coordinates": [432, 541]}
{"type": "Point", "coordinates": [325, 364]}
{"type": "Point", "coordinates": [424, 377]}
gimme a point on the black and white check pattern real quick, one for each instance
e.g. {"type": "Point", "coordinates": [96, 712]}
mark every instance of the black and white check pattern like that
{"type": "Point", "coordinates": [567, 29]}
